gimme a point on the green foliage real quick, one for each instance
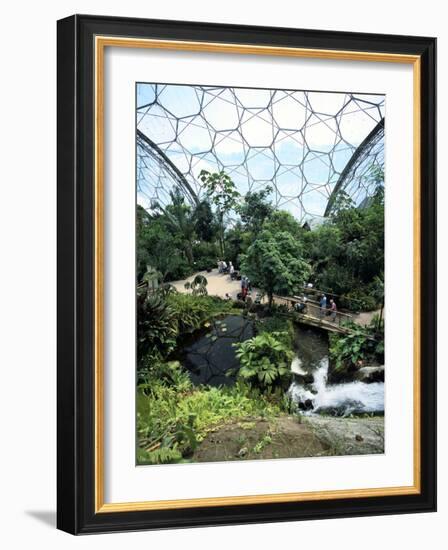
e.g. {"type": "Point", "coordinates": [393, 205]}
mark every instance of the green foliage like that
{"type": "Point", "coordinates": [164, 455]}
{"type": "Point", "coordinates": [274, 262]}
{"type": "Point", "coordinates": [157, 326]}
{"type": "Point", "coordinates": [198, 286]}
{"type": "Point", "coordinates": [205, 255]}
{"type": "Point", "coordinates": [205, 223]}
{"type": "Point", "coordinates": [347, 252]}
{"type": "Point", "coordinates": [256, 209]}
{"type": "Point", "coordinates": [220, 190]}
{"type": "Point", "coordinates": [361, 345]}
{"type": "Point", "coordinates": [172, 420]}
{"type": "Point", "coordinates": [237, 240]}
{"type": "Point", "coordinates": [282, 221]}
{"type": "Point", "coordinates": [265, 359]}
{"type": "Point", "coordinates": [191, 312]}
{"type": "Point", "coordinates": [349, 349]}
{"type": "Point", "coordinates": [281, 325]}
{"type": "Point", "coordinates": [180, 219]}
{"type": "Point", "coordinates": [159, 247]}
{"type": "Point", "coordinates": [168, 373]}
{"type": "Point", "coordinates": [222, 193]}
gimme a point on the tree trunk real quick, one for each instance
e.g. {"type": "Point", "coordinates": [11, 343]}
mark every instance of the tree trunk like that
{"type": "Point", "coordinates": [189, 253]}
{"type": "Point", "coordinates": [221, 235]}
{"type": "Point", "coordinates": [380, 320]}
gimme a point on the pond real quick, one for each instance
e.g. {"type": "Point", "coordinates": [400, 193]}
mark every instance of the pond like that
{"type": "Point", "coordinates": [209, 354]}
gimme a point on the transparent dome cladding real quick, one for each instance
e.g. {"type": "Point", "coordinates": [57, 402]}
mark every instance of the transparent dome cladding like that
{"type": "Point", "coordinates": [307, 146]}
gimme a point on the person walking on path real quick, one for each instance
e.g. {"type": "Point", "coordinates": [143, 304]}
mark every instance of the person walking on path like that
{"type": "Point", "coordinates": [333, 310]}
{"type": "Point", "coordinates": [323, 305]}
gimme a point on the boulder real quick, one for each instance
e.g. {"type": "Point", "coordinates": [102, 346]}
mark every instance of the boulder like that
{"type": "Point", "coordinates": [370, 374]}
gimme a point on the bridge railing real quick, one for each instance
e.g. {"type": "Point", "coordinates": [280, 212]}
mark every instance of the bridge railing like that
{"type": "Point", "coordinates": [311, 308]}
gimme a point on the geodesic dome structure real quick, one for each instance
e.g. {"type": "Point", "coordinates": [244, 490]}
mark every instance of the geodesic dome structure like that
{"type": "Point", "coordinates": [307, 146]}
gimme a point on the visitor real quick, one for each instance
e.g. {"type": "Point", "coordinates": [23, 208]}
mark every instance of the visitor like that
{"type": "Point", "coordinates": [219, 266]}
{"type": "Point", "coordinates": [224, 266]}
{"type": "Point", "coordinates": [231, 270]}
{"type": "Point", "coordinates": [244, 293]}
{"type": "Point", "coordinates": [333, 310]}
{"type": "Point", "coordinates": [323, 305]}
{"type": "Point", "coordinates": [300, 307]}
{"type": "Point", "coordinates": [228, 297]}
{"type": "Point", "coordinates": [243, 282]}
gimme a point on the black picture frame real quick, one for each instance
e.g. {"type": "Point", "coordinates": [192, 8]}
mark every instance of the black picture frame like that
{"type": "Point", "coordinates": [76, 272]}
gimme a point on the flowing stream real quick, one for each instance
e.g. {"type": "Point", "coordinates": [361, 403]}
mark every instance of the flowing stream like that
{"type": "Point", "coordinates": [314, 395]}
{"type": "Point", "coordinates": [209, 356]}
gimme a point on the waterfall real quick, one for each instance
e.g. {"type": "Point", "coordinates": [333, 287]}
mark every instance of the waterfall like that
{"type": "Point", "coordinates": [339, 399]}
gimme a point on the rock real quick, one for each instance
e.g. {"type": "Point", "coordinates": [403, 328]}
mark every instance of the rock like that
{"type": "Point", "coordinates": [370, 374]}
{"type": "Point", "coordinates": [306, 405]}
{"type": "Point", "coordinates": [242, 452]}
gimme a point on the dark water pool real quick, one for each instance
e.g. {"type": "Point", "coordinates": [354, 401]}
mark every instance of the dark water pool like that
{"type": "Point", "coordinates": [208, 354]}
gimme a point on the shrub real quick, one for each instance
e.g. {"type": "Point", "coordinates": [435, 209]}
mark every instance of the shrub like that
{"type": "Point", "coordinates": [172, 420]}
{"type": "Point", "coordinates": [280, 325]}
{"type": "Point", "coordinates": [363, 344]}
{"type": "Point", "coordinates": [265, 359]}
{"type": "Point", "coordinates": [358, 300]}
{"type": "Point", "coordinates": [192, 311]}
{"type": "Point", "coordinates": [157, 326]}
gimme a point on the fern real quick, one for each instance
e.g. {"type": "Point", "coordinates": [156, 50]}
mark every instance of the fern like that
{"type": "Point", "coordinates": [163, 455]}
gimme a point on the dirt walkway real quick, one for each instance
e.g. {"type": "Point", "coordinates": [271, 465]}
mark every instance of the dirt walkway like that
{"type": "Point", "coordinates": [287, 437]}
{"type": "Point", "coordinates": [219, 284]}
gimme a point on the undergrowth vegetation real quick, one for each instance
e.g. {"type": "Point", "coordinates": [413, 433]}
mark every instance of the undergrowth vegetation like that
{"type": "Point", "coordinates": [173, 417]}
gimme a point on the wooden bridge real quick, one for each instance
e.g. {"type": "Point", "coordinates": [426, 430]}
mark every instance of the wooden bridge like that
{"type": "Point", "coordinates": [313, 315]}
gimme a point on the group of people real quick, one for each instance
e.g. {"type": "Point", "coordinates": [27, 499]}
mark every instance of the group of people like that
{"type": "Point", "coordinates": [224, 268]}
{"type": "Point", "coordinates": [328, 308]}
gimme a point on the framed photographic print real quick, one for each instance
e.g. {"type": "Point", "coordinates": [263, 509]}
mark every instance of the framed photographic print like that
{"type": "Point", "coordinates": [246, 265]}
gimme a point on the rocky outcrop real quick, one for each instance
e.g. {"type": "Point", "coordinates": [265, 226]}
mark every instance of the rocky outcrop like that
{"type": "Point", "coordinates": [370, 374]}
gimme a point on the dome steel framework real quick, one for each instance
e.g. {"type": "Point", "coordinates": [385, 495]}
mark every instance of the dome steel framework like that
{"type": "Point", "coordinates": [307, 146]}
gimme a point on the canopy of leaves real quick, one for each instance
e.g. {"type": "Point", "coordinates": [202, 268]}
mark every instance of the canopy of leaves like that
{"type": "Point", "coordinates": [347, 253]}
{"type": "Point", "coordinates": [274, 262]}
{"type": "Point", "coordinates": [255, 209]}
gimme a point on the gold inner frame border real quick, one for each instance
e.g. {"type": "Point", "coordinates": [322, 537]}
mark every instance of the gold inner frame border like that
{"type": "Point", "coordinates": [101, 42]}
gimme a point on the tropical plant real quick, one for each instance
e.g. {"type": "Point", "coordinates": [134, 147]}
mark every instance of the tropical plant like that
{"type": "Point", "coordinates": [222, 193]}
{"type": "Point", "coordinates": [159, 246]}
{"type": "Point", "coordinates": [274, 262]}
{"type": "Point", "coordinates": [157, 326]}
{"type": "Point", "coordinates": [265, 360]}
{"type": "Point", "coordinates": [256, 209]}
{"type": "Point", "coordinates": [205, 223]}
{"type": "Point", "coordinates": [172, 419]}
{"type": "Point", "coordinates": [198, 286]}
{"type": "Point", "coordinates": [180, 217]}
{"type": "Point", "coordinates": [360, 345]}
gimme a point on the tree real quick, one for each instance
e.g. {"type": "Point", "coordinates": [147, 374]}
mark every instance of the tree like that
{"type": "Point", "coordinates": [157, 246]}
{"type": "Point", "coordinates": [275, 263]}
{"type": "Point", "coordinates": [256, 209]}
{"type": "Point", "coordinates": [347, 251]}
{"type": "Point", "coordinates": [280, 220]}
{"type": "Point", "coordinates": [180, 216]}
{"type": "Point", "coordinates": [221, 191]}
{"type": "Point", "coordinates": [204, 221]}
